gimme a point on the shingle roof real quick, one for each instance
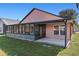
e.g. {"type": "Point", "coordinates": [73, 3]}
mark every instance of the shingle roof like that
{"type": "Point", "coordinates": [37, 15]}
{"type": "Point", "coordinates": [9, 21]}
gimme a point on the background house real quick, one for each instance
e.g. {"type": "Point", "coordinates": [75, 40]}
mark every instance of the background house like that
{"type": "Point", "coordinates": [4, 22]}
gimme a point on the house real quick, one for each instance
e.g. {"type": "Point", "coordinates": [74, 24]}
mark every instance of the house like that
{"type": "Point", "coordinates": [4, 22]}
{"type": "Point", "coordinates": [42, 26]}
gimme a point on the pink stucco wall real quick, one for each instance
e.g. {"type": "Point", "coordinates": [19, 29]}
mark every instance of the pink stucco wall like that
{"type": "Point", "coordinates": [39, 16]}
{"type": "Point", "coordinates": [50, 31]}
{"type": "Point", "coordinates": [69, 31]}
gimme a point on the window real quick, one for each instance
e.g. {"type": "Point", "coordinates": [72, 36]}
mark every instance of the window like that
{"type": "Point", "coordinates": [15, 29]}
{"type": "Point", "coordinates": [27, 28]}
{"type": "Point", "coordinates": [23, 28]}
{"type": "Point", "coordinates": [7, 28]}
{"type": "Point", "coordinates": [0, 29]}
{"type": "Point", "coordinates": [10, 29]}
{"type": "Point", "coordinates": [31, 29]}
{"type": "Point", "coordinates": [62, 30]}
{"type": "Point", "coordinates": [37, 30]}
{"type": "Point", "coordinates": [56, 30]}
{"type": "Point", "coordinates": [59, 30]}
{"type": "Point", "coordinates": [19, 29]}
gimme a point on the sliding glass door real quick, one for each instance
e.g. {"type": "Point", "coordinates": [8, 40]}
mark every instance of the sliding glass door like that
{"type": "Point", "coordinates": [40, 31]}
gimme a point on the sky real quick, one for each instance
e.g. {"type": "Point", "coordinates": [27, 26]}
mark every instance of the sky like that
{"type": "Point", "coordinates": [19, 10]}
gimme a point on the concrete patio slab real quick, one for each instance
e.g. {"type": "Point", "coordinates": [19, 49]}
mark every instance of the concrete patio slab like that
{"type": "Point", "coordinates": [52, 41]}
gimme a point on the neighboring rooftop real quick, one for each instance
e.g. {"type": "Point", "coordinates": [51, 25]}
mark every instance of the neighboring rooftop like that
{"type": "Point", "coordinates": [9, 21]}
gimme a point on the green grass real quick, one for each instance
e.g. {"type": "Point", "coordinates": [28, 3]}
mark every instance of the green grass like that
{"type": "Point", "coordinates": [10, 46]}
{"type": "Point", "coordinates": [73, 50]}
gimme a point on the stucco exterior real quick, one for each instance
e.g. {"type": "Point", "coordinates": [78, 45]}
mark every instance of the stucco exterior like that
{"type": "Point", "coordinates": [50, 31]}
{"type": "Point", "coordinates": [69, 30]}
{"type": "Point", "coordinates": [39, 16]}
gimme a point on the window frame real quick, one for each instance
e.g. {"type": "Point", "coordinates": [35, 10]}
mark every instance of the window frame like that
{"type": "Point", "coordinates": [31, 30]}
{"type": "Point", "coordinates": [59, 29]}
{"type": "Point", "coordinates": [27, 31]}
{"type": "Point", "coordinates": [56, 29]}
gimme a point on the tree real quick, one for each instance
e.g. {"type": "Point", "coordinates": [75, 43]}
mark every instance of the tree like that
{"type": "Point", "coordinates": [77, 5]}
{"type": "Point", "coordinates": [69, 14]}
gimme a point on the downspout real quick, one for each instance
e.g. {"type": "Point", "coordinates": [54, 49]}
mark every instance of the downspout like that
{"type": "Point", "coordinates": [65, 32]}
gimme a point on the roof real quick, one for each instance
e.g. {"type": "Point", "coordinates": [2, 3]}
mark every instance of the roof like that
{"type": "Point", "coordinates": [7, 21]}
{"type": "Point", "coordinates": [37, 15]}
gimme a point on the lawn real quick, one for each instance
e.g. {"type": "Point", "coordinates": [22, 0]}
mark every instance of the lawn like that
{"type": "Point", "coordinates": [73, 50]}
{"type": "Point", "coordinates": [13, 47]}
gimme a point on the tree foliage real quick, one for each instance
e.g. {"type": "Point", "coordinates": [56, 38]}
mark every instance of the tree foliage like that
{"type": "Point", "coordinates": [69, 14]}
{"type": "Point", "coordinates": [77, 5]}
